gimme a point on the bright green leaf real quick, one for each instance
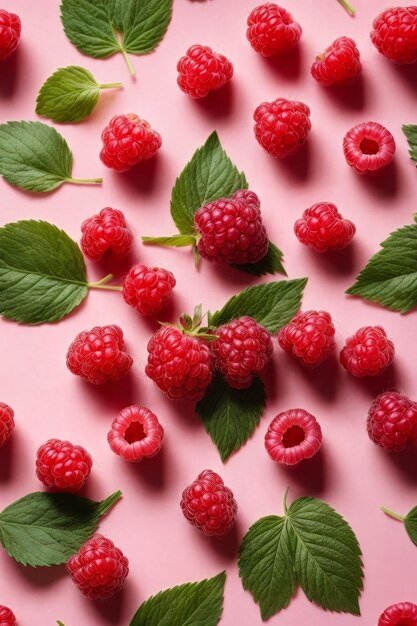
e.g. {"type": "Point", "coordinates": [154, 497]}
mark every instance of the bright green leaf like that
{"type": "Point", "coordinates": [410, 132]}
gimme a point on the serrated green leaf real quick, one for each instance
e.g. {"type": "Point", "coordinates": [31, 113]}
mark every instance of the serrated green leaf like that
{"type": "Point", "coordinates": [270, 264]}
{"type": "Point", "coordinates": [410, 132]}
{"type": "Point", "coordinates": [410, 524]}
{"type": "Point", "coordinates": [192, 604]}
{"type": "Point", "coordinates": [43, 529]}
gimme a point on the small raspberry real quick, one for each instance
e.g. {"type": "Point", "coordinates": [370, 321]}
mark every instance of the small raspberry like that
{"type": "Point", "coordinates": [201, 70]}
{"type": "Point", "coordinates": [6, 423]}
{"type": "Point", "coordinates": [231, 229]}
{"type": "Point", "coordinates": [394, 34]}
{"type": "Point", "coordinates": [368, 352]}
{"type": "Point", "coordinates": [339, 63]}
{"type": "Point", "coordinates": [282, 126]}
{"type": "Point", "coordinates": [136, 434]}
{"type": "Point", "coordinates": [309, 337]}
{"type": "Point", "coordinates": [62, 465]}
{"type": "Point", "coordinates": [99, 355]}
{"type": "Point", "coordinates": [10, 28]}
{"type": "Point", "coordinates": [402, 614]}
{"type": "Point", "coordinates": [293, 436]}
{"type": "Point", "coordinates": [271, 29]}
{"type": "Point", "coordinates": [209, 505]}
{"type": "Point", "coordinates": [127, 141]}
{"type": "Point", "coordinates": [392, 421]}
{"type": "Point", "coordinates": [104, 234]}
{"type": "Point", "coordinates": [98, 568]}
{"type": "Point", "coordinates": [242, 351]}
{"type": "Point", "coordinates": [368, 147]}
{"type": "Point", "coordinates": [148, 289]}
{"type": "Point", "coordinates": [7, 617]}
{"type": "Point", "coordinates": [322, 228]}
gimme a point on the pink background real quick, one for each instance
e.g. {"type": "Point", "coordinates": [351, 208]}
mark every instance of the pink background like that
{"type": "Point", "coordinates": [350, 473]}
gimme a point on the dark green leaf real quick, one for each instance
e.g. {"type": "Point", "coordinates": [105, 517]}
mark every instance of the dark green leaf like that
{"type": "Point", "coordinates": [410, 132]}
{"type": "Point", "coordinates": [270, 264]}
{"type": "Point", "coordinates": [410, 524]}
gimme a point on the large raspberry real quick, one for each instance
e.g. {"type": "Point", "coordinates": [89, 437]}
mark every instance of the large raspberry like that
{"type": "Point", "coordinates": [98, 568]}
{"type": "Point", "coordinates": [368, 147]}
{"type": "Point", "coordinates": [136, 434]}
{"type": "Point", "coordinates": [323, 228]}
{"type": "Point", "coordinates": [148, 289]}
{"type": "Point", "coordinates": [282, 126]}
{"type": "Point", "coordinates": [6, 423]}
{"type": "Point", "coordinates": [209, 505]}
{"type": "Point", "coordinates": [201, 70]}
{"type": "Point", "coordinates": [7, 617]}
{"type": "Point", "coordinates": [104, 234]}
{"type": "Point", "coordinates": [271, 29]}
{"type": "Point", "coordinates": [62, 465]}
{"type": "Point", "coordinates": [309, 337]}
{"type": "Point", "coordinates": [394, 34]}
{"type": "Point", "coordinates": [402, 614]}
{"type": "Point", "coordinates": [99, 355]}
{"type": "Point", "coordinates": [368, 352]}
{"type": "Point", "coordinates": [392, 421]}
{"type": "Point", "coordinates": [10, 28]}
{"type": "Point", "coordinates": [293, 436]}
{"type": "Point", "coordinates": [339, 63]}
{"type": "Point", "coordinates": [127, 141]}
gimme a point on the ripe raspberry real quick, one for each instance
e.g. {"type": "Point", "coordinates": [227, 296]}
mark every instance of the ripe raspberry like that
{"type": "Point", "coordinates": [282, 126]}
{"type": "Point", "coordinates": [7, 617]}
{"type": "Point", "coordinates": [10, 28]}
{"type": "Point", "coordinates": [271, 29]}
{"type": "Point", "coordinates": [322, 228]}
{"type": "Point", "coordinates": [136, 434]}
{"type": "Point", "coordinates": [368, 147]}
{"type": "Point", "coordinates": [62, 465]}
{"type": "Point", "coordinates": [309, 337]}
{"type": "Point", "coordinates": [395, 34]}
{"type": "Point", "coordinates": [368, 352]}
{"type": "Point", "coordinates": [98, 568]}
{"type": "Point", "coordinates": [99, 355]}
{"type": "Point", "coordinates": [6, 423]}
{"type": "Point", "coordinates": [293, 436]}
{"type": "Point", "coordinates": [201, 70]}
{"type": "Point", "coordinates": [402, 614]}
{"type": "Point", "coordinates": [209, 505]}
{"type": "Point", "coordinates": [339, 63]}
{"type": "Point", "coordinates": [242, 351]}
{"type": "Point", "coordinates": [148, 289]}
{"type": "Point", "coordinates": [104, 234]}
{"type": "Point", "coordinates": [127, 141]}
{"type": "Point", "coordinates": [392, 421]}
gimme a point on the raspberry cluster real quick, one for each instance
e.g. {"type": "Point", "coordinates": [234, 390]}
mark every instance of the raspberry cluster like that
{"type": "Point", "coordinates": [392, 421]}
{"type": "Point", "coordinates": [368, 352]}
{"type": "Point", "coordinates": [293, 436]}
{"type": "Point", "coordinates": [309, 337]}
{"type": "Point", "coordinates": [61, 465]}
{"type": "Point", "coordinates": [136, 434]}
{"type": "Point", "coordinates": [282, 126]}
{"type": "Point", "coordinates": [104, 234]}
{"type": "Point", "coordinates": [323, 228]}
{"type": "Point", "coordinates": [10, 27]}
{"type": "Point", "coordinates": [148, 289]}
{"type": "Point", "coordinates": [271, 29]}
{"type": "Point", "coordinates": [201, 70]}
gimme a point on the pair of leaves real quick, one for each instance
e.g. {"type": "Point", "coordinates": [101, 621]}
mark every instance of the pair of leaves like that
{"type": "Point", "coordinates": [409, 521]}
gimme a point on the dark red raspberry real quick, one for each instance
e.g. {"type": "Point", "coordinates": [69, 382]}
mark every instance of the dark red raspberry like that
{"type": "Point", "coordinates": [98, 568]}
{"type": "Point", "coordinates": [394, 34]}
{"type": "Point", "coordinates": [104, 234]}
{"type": "Point", "coordinates": [242, 351]}
{"type": "Point", "coordinates": [62, 465]}
{"type": "Point", "coordinates": [127, 141]}
{"type": "Point", "coordinates": [231, 230]}
{"type": "Point", "coordinates": [368, 147]}
{"type": "Point", "coordinates": [7, 617]}
{"type": "Point", "coordinates": [402, 614]}
{"type": "Point", "coordinates": [6, 423]}
{"type": "Point", "coordinates": [99, 355]}
{"type": "Point", "coordinates": [201, 70]}
{"type": "Point", "coordinates": [368, 352]}
{"type": "Point", "coordinates": [282, 126]}
{"type": "Point", "coordinates": [136, 434]}
{"type": "Point", "coordinates": [10, 28]}
{"type": "Point", "coordinates": [340, 63]}
{"type": "Point", "coordinates": [293, 436]}
{"type": "Point", "coordinates": [392, 421]}
{"type": "Point", "coordinates": [148, 289]}
{"type": "Point", "coordinates": [322, 228]}
{"type": "Point", "coordinates": [309, 337]}
{"type": "Point", "coordinates": [209, 505]}
{"type": "Point", "coordinates": [271, 29]}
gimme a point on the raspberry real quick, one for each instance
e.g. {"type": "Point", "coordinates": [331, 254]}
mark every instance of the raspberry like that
{"type": "Point", "coordinates": [395, 34]}
{"type": "Point", "coordinates": [368, 352]}
{"type": "Point", "coordinates": [293, 436]}
{"type": "Point", "coordinates": [368, 147]}
{"type": "Point", "coordinates": [6, 423]}
{"type": "Point", "coordinates": [282, 126]}
{"type": "Point", "coordinates": [309, 337]}
{"type": "Point", "coordinates": [7, 617]}
{"type": "Point", "coordinates": [201, 70]}
{"type": "Point", "coordinates": [271, 29]}
{"type": "Point", "coordinates": [322, 228]}
{"type": "Point", "coordinates": [10, 28]}
{"type": "Point", "coordinates": [62, 465]}
{"type": "Point", "coordinates": [127, 141]}
{"type": "Point", "coordinates": [209, 505]}
{"type": "Point", "coordinates": [392, 421]}
{"type": "Point", "coordinates": [242, 351]}
{"type": "Point", "coordinates": [99, 355]}
{"type": "Point", "coordinates": [402, 614]}
{"type": "Point", "coordinates": [339, 63]}
{"type": "Point", "coordinates": [148, 289]}
{"type": "Point", "coordinates": [104, 234]}
{"type": "Point", "coordinates": [136, 434]}
{"type": "Point", "coordinates": [232, 230]}
{"type": "Point", "coordinates": [98, 568]}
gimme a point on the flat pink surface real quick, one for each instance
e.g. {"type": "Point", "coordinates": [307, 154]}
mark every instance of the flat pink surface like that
{"type": "Point", "coordinates": [351, 473]}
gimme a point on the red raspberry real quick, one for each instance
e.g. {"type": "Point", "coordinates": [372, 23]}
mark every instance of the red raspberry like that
{"type": "Point", "coordinates": [392, 421]}
{"type": "Point", "coordinates": [62, 465]}
{"type": "Point", "coordinates": [201, 70]}
{"type": "Point", "coordinates": [271, 29]}
{"type": "Point", "coordinates": [98, 568]}
{"type": "Point", "coordinates": [368, 352]}
{"type": "Point", "coordinates": [10, 28]}
{"type": "Point", "coordinates": [136, 434]}
{"type": "Point", "coordinates": [242, 351]}
{"type": "Point", "coordinates": [127, 141]}
{"type": "Point", "coordinates": [6, 423]}
{"type": "Point", "coordinates": [7, 617]}
{"type": "Point", "coordinates": [309, 337]}
{"type": "Point", "coordinates": [104, 234]}
{"type": "Point", "coordinates": [293, 436]}
{"type": "Point", "coordinates": [232, 230]}
{"type": "Point", "coordinates": [395, 34]}
{"type": "Point", "coordinates": [322, 228]}
{"type": "Point", "coordinates": [148, 289]}
{"type": "Point", "coordinates": [99, 355]}
{"type": "Point", "coordinates": [368, 147]}
{"type": "Point", "coordinates": [402, 614]}
{"type": "Point", "coordinates": [282, 126]}
{"type": "Point", "coordinates": [339, 63]}
{"type": "Point", "coordinates": [209, 505]}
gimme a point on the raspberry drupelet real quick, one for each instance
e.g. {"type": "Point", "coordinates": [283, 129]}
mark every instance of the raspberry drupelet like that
{"type": "Point", "coordinates": [323, 228]}
{"type": "Point", "coordinates": [282, 126]}
{"type": "Point", "coordinates": [368, 147]}
{"type": "Point", "coordinates": [136, 434]}
{"type": "Point", "coordinates": [62, 465]}
{"type": "Point", "coordinates": [401, 614]}
{"type": "Point", "coordinates": [10, 28]}
{"type": "Point", "coordinates": [293, 436]}
{"type": "Point", "coordinates": [394, 34]}
{"type": "Point", "coordinates": [106, 234]}
{"type": "Point", "coordinates": [392, 421]}
{"type": "Point", "coordinates": [339, 64]}
{"type": "Point", "coordinates": [7, 424]}
{"type": "Point", "coordinates": [309, 337]}
{"type": "Point", "coordinates": [128, 140]}
{"type": "Point", "coordinates": [7, 617]}
{"type": "Point", "coordinates": [201, 70]}
{"type": "Point", "coordinates": [148, 289]}
{"type": "Point", "coordinates": [368, 352]}
{"type": "Point", "coordinates": [271, 29]}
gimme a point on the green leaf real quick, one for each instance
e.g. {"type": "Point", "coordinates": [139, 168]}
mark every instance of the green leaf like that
{"type": "Point", "coordinates": [409, 521]}
{"type": "Point", "coordinates": [192, 604]}
{"type": "Point", "coordinates": [47, 528]}
{"type": "Point", "coordinates": [410, 132]}
{"type": "Point", "coordinates": [42, 272]}
{"type": "Point", "coordinates": [270, 264]}
{"type": "Point", "coordinates": [230, 415]}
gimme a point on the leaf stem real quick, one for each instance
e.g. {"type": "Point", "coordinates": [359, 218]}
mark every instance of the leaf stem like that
{"type": "Point", "coordinates": [128, 61]}
{"type": "Point", "coordinates": [285, 500]}
{"type": "Point", "coordinates": [401, 518]}
{"type": "Point", "coordinates": [101, 284]}
{"type": "Point", "coordinates": [85, 181]}
{"type": "Point", "coordinates": [110, 86]}
{"type": "Point", "coordinates": [349, 8]}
